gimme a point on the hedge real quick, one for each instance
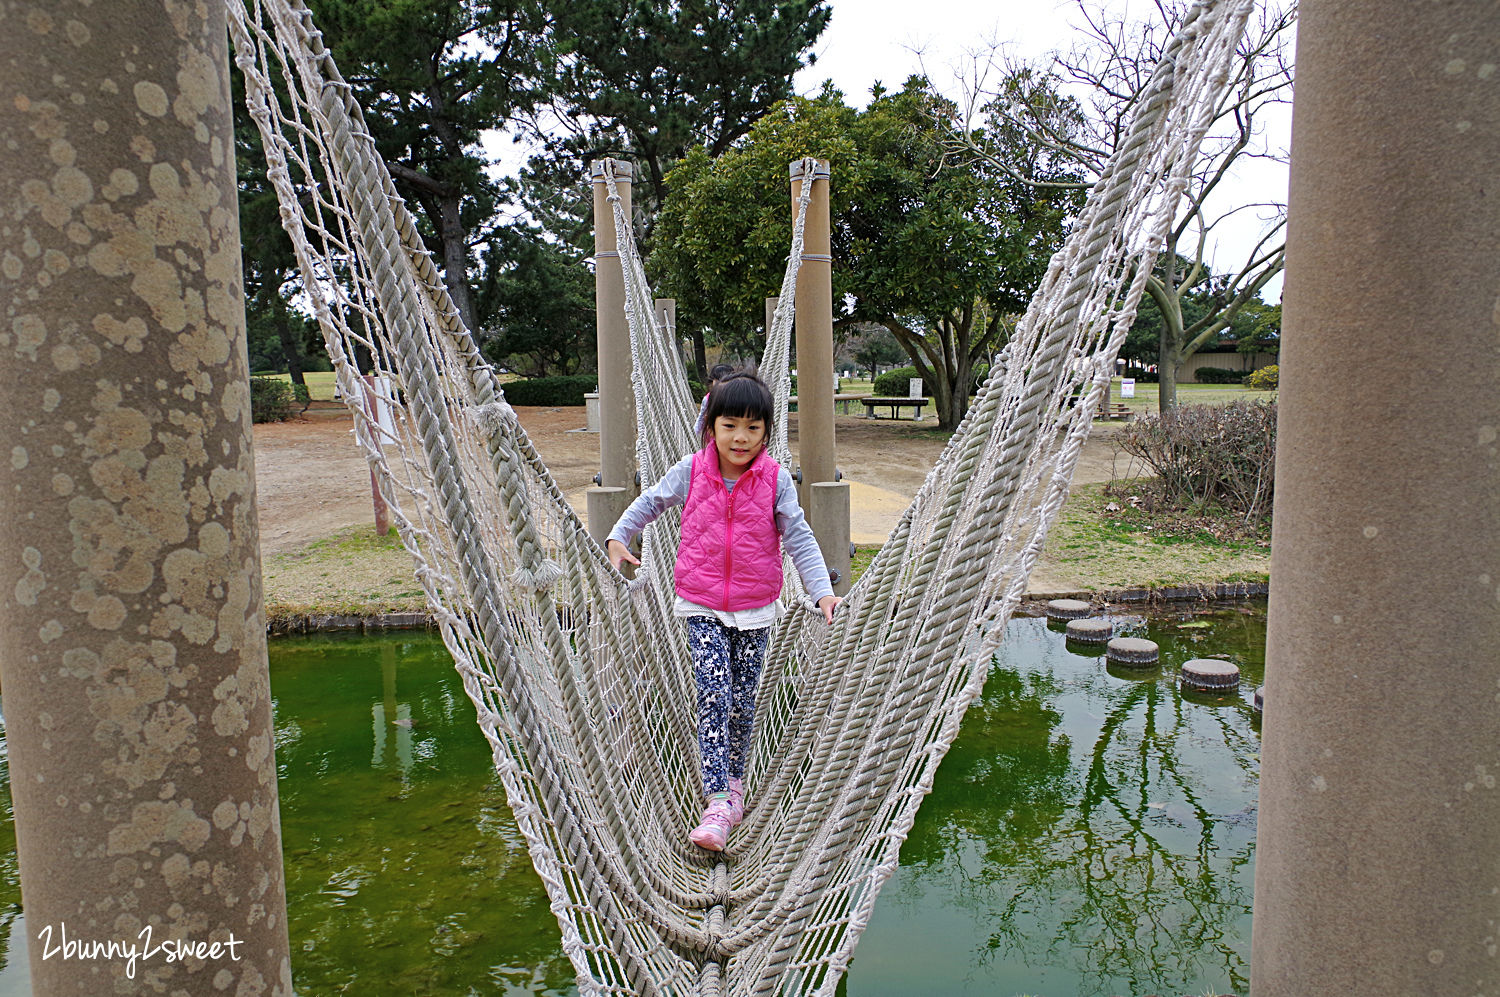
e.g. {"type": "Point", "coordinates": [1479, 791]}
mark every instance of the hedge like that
{"type": "Point", "coordinates": [565, 390]}
{"type": "Point", "coordinates": [1218, 375]}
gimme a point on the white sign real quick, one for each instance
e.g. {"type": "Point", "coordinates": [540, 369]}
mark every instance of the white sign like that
{"type": "Point", "coordinates": [914, 387]}
{"type": "Point", "coordinates": [1127, 387]}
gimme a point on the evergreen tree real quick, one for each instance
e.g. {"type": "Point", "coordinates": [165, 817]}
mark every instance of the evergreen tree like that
{"type": "Point", "coordinates": [648, 82]}
{"type": "Point", "coordinates": [941, 251]}
{"type": "Point", "coordinates": [432, 76]}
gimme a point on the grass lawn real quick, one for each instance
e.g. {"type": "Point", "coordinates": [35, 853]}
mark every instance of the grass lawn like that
{"type": "Point", "coordinates": [1146, 397]}
{"type": "Point", "coordinates": [1088, 548]}
{"type": "Point", "coordinates": [320, 383]}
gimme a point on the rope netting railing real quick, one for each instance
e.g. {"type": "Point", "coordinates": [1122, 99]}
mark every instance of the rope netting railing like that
{"type": "Point", "coordinates": [581, 681]}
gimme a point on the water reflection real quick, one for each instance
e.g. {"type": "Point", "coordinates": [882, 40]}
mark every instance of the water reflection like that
{"type": "Point", "coordinates": [405, 871]}
{"type": "Point", "coordinates": [10, 874]}
{"type": "Point", "coordinates": [1091, 832]}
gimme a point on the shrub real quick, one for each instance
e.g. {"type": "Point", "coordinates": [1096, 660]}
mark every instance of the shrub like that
{"type": "Point", "coordinates": [1218, 375]}
{"type": "Point", "coordinates": [893, 383]}
{"type": "Point", "coordinates": [1264, 379]}
{"type": "Point", "coordinates": [1206, 455]}
{"type": "Point", "coordinates": [565, 390]}
{"type": "Point", "coordinates": [271, 400]}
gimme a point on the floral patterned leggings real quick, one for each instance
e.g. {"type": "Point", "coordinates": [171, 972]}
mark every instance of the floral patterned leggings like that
{"type": "Point", "coordinates": [726, 663]}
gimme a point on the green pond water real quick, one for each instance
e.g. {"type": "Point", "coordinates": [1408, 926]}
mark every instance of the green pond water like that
{"type": "Point", "coordinates": [1091, 832]}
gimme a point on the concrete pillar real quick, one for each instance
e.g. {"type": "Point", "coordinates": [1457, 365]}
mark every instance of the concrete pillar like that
{"type": "Point", "coordinates": [605, 506]}
{"type": "Point", "coordinates": [829, 513]}
{"type": "Point", "coordinates": [137, 699]}
{"type": "Point", "coordinates": [828, 506]}
{"type": "Point", "coordinates": [814, 328]}
{"type": "Point", "coordinates": [1376, 866]}
{"type": "Point", "coordinates": [617, 465]}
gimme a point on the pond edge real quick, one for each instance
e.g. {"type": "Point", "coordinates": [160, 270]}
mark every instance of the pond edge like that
{"type": "Point", "coordinates": [1032, 604]}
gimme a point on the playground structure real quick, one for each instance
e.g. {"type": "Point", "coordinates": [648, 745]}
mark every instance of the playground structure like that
{"type": "Point", "coordinates": [92, 831]}
{"type": "Point", "coordinates": [821, 494]}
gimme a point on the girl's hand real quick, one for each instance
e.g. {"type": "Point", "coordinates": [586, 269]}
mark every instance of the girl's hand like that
{"type": "Point", "coordinates": [826, 604]}
{"type": "Point", "coordinates": [619, 552]}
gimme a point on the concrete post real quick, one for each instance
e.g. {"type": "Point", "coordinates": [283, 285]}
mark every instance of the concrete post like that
{"type": "Point", "coordinates": [829, 517]}
{"type": "Point", "coordinates": [1379, 811]}
{"type": "Point", "coordinates": [617, 465]}
{"type": "Point", "coordinates": [828, 508]}
{"type": "Point", "coordinates": [137, 699]}
{"type": "Point", "coordinates": [814, 329]}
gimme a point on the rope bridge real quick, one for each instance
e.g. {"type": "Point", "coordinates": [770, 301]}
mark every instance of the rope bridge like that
{"type": "Point", "coordinates": [581, 680]}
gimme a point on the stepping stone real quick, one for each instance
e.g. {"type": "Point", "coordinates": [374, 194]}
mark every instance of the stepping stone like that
{"type": "Point", "coordinates": [1134, 651]}
{"type": "Point", "coordinates": [1210, 675]}
{"type": "Point", "coordinates": [1094, 631]}
{"type": "Point", "coordinates": [1260, 698]}
{"type": "Point", "coordinates": [1068, 609]}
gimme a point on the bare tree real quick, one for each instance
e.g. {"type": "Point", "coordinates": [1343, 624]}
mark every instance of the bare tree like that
{"type": "Point", "coordinates": [1103, 77]}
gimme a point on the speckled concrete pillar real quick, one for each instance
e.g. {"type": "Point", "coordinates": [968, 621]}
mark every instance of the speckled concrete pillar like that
{"type": "Point", "coordinates": [1378, 860]}
{"type": "Point", "coordinates": [137, 700]}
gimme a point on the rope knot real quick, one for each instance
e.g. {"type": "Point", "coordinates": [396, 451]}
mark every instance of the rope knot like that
{"type": "Point", "coordinates": [546, 574]}
{"type": "Point", "coordinates": [497, 418]}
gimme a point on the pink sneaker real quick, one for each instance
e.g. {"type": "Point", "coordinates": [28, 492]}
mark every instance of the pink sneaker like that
{"type": "Point", "coordinates": [736, 801]}
{"type": "Point", "coordinates": [712, 832]}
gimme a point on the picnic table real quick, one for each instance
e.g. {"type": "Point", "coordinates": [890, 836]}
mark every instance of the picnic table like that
{"type": "Point", "coordinates": [840, 402]}
{"type": "Point", "coordinates": [894, 404]}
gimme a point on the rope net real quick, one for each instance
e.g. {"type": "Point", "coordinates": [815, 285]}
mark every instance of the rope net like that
{"type": "Point", "coordinates": [581, 680]}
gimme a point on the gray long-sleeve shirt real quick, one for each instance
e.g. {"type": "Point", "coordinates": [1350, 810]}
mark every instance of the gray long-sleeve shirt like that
{"type": "Point", "coordinates": [796, 536]}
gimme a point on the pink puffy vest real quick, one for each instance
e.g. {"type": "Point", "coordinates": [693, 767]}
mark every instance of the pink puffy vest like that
{"type": "Point", "coordinates": [730, 555]}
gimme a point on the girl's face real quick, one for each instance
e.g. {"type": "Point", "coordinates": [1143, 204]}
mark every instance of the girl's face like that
{"type": "Point", "coordinates": [738, 440]}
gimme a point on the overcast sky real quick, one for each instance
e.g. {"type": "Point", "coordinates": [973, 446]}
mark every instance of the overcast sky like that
{"type": "Point", "coordinates": [882, 40]}
{"type": "Point", "coordinates": [886, 41]}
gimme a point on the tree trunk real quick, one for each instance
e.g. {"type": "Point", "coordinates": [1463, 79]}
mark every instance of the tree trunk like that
{"type": "Point", "coordinates": [700, 356]}
{"type": "Point", "coordinates": [289, 348]}
{"type": "Point", "coordinates": [963, 376]}
{"type": "Point", "coordinates": [1166, 367]}
{"type": "Point", "coordinates": [1169, 355]}
{"type": "Point", "coordinates": [456, 258]}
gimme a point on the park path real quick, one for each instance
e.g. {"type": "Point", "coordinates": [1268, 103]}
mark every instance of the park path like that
{"type": "Point", "coordinates": [312, 481]}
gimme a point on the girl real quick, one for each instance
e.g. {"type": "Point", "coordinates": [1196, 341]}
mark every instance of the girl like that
{"type": "Point", "coordinates": [739, 507]}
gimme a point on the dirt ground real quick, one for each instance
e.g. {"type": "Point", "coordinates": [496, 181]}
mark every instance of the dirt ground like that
{"type": "Point", "coordinates": [312, 481]}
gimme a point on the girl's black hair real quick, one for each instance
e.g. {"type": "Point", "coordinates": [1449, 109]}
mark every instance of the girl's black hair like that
{"type": "Point", "coordinates": [740, 394]}
{"type": "Point", "coordinates": [720, 371]}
